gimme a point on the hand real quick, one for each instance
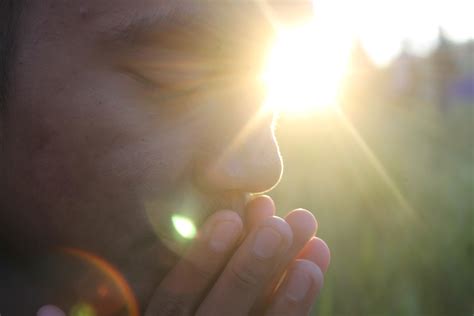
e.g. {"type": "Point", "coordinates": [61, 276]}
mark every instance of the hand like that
{"type": "Point", "coordinates": [221, 276]}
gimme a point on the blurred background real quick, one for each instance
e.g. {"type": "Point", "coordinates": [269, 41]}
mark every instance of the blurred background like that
{"type": "Point", "coordinates": [390, 177]}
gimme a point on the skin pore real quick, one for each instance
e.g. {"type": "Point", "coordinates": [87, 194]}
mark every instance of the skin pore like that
{"type": "Point", "coordinates": [123, 114]}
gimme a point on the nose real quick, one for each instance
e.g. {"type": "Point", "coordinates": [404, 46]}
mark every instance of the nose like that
{"type": "Point", "coordinates": [250, 162]}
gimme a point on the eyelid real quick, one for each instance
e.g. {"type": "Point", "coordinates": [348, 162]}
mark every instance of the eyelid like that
{"type": "Point", "coordinates": [137, 76]}
{"type": "Point", "coordinates": [179, 72]}
{"type": "Point", "coordinates": [154, 84]}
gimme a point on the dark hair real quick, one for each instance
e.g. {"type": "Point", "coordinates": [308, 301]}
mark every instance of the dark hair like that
{"type": "Point", "coordinates": [9, 14]}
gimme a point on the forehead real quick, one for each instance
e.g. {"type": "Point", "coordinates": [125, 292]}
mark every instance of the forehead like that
{"type": "Point", "coordinates": [113, 17]}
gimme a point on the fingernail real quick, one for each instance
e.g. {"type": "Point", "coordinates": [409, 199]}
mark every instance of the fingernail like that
{"type": "Point", "coordinates": [298, 285]}
{"type": "Point", "coordinates": [267, 242]}
{"type": "Point", "coordinates": [224, 235]}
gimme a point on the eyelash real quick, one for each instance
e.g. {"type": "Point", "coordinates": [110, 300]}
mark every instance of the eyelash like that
{"type": "Point", "coordinates": [155, 81]}
{"type": "Point", "coordinates": [140, 78]}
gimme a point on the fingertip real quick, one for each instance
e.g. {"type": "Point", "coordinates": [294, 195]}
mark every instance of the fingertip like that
{"type": "Point", "coordinates": [323, 257]}
{"type": "Point", "coordinates": [264, 203]}
{"type": "Point", "coordinates": [317, 251]}
{"type": "Point", "coordinates": [257, 209]}
{"type": "Point", "coordinates": [303, 223]}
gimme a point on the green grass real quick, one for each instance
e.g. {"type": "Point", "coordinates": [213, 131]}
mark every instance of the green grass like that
{"type": "Point", "coordinates": [401, 244]}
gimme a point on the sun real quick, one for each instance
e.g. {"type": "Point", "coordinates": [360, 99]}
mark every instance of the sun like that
{"type": "Point", "coordinates": [304, 70]}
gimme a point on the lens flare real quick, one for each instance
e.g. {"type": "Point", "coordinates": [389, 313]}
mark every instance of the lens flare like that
{"type": "Point", "coordinates": [184, 226]}
{"type": "Point", "coordinates": [82, 309]}
{"type": "Point", "coordinates": [114, 278]}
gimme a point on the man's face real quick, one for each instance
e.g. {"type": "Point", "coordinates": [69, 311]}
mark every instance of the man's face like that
{"type": "Point", "coordinates": [124, 113]}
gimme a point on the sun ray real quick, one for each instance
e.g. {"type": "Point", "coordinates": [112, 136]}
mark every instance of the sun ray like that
{"type": "Point", "coordinates": [377, 165]}
{"type": "Point", "coordinates": [245, 132]}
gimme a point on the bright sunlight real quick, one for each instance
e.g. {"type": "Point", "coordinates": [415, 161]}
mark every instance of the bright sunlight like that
{"type": "Point", "coordinates": [304, 70]}
{"type": "Point", "coordinates": [306, 66]}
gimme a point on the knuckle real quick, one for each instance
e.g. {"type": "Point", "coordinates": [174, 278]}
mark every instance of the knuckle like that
{"type": "Point", "coordinates": [202, 271]}
{"type": "Point", "coordinates": [303, 221]}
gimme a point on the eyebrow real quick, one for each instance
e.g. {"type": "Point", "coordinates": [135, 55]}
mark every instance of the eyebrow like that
{"type": "Point", "coordinates": [225, 28]}
{"type": "Point", "coordinates": [191, 16]}
{"type": "Point", "coordinates": [133, 29]}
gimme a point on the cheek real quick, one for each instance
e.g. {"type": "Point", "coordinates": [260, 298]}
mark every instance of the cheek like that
{"type": "Point", "coordinates": [106, 142]}
{"type": "Point", "coordinates": [153, 163]}
{"type": "Point", "coordinates": [141, 146]}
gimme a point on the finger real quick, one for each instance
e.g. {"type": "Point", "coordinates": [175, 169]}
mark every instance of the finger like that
{"type": "Point", "coordinates": [257, 210]}
{"type": "Point", "coordinates": [304, 226]}
{"type": "Point", "coordinates": [183, 287]}
{"type": "Point", "coordinates": [50, 310]}
{"type": "Point", "coordinates": [251, 268]}
{"type": "Point", "coordinates": [318, 252]}
{"type": "Point", "coordinates": [298, 291]}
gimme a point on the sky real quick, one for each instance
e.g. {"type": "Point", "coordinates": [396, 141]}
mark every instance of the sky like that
{"type": "Point", "coordinates": [383, 26]}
